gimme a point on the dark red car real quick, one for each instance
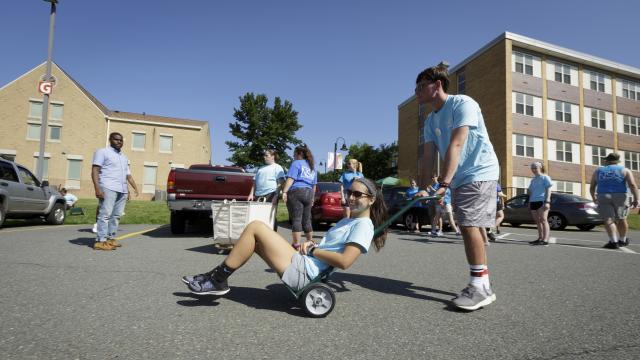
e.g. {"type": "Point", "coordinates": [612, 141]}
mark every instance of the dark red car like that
{"type": "Point", "coordinates": [327, 207]}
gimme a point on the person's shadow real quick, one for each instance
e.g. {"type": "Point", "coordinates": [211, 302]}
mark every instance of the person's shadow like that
{"type": "Point", "coordinates": [84, 241]}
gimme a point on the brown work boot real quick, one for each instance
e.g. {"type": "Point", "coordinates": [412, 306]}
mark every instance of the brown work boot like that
{"type": "Point", "coordinates": [114, 243]}
{"type": "Point", "coordinates": [102, 245]}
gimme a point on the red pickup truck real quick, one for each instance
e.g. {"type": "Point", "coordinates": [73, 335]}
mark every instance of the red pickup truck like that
{"type": "Point", "coordinates": [190, 191]}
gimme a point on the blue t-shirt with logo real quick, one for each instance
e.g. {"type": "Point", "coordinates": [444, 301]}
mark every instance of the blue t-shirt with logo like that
{"type": "Point", "coordinates": [538, 186]}
{"type": "Point", "coordinates": [478, 161]}
{"type": "Point", "coordinates": [611, 180]}
{"type": "Point", "coordinates": [302, 175]}
{"type": "Point", "coordinates": [267, 179]}
{"type": "Point", "coordinates": [347, 178]}
{"type": "Point", "coordinates": [411, 193]}
{"type": "Point", "coordinates": [357, 231]}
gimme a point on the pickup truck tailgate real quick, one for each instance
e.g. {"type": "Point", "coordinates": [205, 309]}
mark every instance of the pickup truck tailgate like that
{"type": "Point", "coordinates": [212, 185]}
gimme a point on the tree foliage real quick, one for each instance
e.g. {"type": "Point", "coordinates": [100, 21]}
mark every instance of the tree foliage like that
{"type": "Point", "coordinates": [377, 163]}
{"type": "Point", "coordinates": [259, 127]}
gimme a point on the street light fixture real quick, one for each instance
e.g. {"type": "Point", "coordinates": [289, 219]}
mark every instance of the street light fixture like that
{"type": "Point", "coordinates": [335, 152]}
{"type": "Point", "coordinates": [45, 101]}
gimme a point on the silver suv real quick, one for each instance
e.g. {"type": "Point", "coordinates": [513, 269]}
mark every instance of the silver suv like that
{"type": "Point", "coordinates": [23, 196]}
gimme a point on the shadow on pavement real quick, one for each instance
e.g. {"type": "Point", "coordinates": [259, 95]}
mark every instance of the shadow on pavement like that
{"type": "Point", "coordinates": [427, 240]}
{"type": "Point", "coordinates": [210, 249]}
{"type": "Point", "coordinates": [84, 241]}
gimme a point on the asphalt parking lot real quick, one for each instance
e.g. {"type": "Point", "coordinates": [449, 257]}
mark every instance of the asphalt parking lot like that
{"type": "Point", "coordinates": [62, 300]}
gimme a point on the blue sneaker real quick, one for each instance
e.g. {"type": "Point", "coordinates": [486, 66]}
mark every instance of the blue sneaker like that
{"type": "Point", "coordinates": [209, 286]}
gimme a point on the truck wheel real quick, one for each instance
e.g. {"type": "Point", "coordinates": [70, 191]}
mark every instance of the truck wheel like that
{"type": "Point", "coordinates": [57, 215]}
{"type": "Point", "coordinates": [178, 223]}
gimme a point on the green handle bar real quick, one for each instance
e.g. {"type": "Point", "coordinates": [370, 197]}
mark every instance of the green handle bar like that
{"type": "Point", "coordinates": [402, 211]}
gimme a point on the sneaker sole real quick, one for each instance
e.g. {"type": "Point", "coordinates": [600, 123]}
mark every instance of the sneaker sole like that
{"type": "Point", "coordinates": [212, 292]}
{"type": "Point", "coordinates": [477, 306]}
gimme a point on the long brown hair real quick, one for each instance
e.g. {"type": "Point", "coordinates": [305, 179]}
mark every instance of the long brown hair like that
{"type": "Point", "coordinates": [306, 154]}
{"type": "Point", "coordinates": [377, 213]}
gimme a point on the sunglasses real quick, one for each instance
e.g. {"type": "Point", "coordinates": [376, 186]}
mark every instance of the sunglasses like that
{"type": "Point", "coordinates": [356, 194]}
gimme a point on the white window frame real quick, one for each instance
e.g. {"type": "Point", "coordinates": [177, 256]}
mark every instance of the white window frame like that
{"type": "Point", "coordinates": [160, 143]}
{"type": "Point", "coordinates": [49, 132]}
{"type": "Point", "coordinates": [56, 105]}
{"type": "Point", "coordinates": [632, 160]}
{"type": "Point", "coordinates": [31, 125]}
{"type": "Point", "coordinates": [31, 114]}
{"type": "Point", "coordinates": [563, 72]}
{"type": "Point", "coordinates": [629, 125]}
{"type": "Point", "coordinates": [71, 182]}
{"type": "Point", "coordinates": [520, 184]}
{"type": "Point", "coordinates": [462, 85]}
{"type": "Point", "coordinates": [628, 89]}
{"type": "Point", "coordinates": [591, 151]}
{"type": "Point", "coordinates": [597, 81]}
{"type": "Point", "coordinates": [602, 117]}
{"type": "Point", "coordinates": [531, 64]}
{"type": "Point", "coordinates": [526, 142]}
{"type": "Point", "coordinates": [561, 150]}
{"type": "Point", "coordinates": [149, 188]}
{"type": "Point", "coordinates": [133, 141]}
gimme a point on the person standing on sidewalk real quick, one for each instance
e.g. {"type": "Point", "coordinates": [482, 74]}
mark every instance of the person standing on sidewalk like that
{"type": "Point", "coordinates": [609, 186]}
{"type": "Point", "coordinates": [110, 174]}
{"type": "Point", "coordinates": [540, 202]}
{"type": "Point", "coordinates": [455, 128]}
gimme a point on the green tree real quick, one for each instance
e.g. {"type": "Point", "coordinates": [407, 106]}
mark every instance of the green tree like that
{"type": "Point", "coordinates": [377, 163]}
{"type": "Point", "coordinates": [258, 127]}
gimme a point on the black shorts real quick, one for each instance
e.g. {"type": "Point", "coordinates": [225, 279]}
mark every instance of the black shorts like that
{"type": "Point", "coordinates": [535, 205]}
{"type": "Point", "coordinates": [499, 206]}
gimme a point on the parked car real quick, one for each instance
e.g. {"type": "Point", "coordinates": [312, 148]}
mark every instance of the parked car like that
{"type": "Point", "coordinates": [566, 210]}
{"type": "Point", "coordinates": [327, 207]}
{"type": "Point", "coordinates": [396, 199]}
{"type": "Point", "coordinates": [23, 196]}
{"type": "Point", "coordinates": [190, 191]}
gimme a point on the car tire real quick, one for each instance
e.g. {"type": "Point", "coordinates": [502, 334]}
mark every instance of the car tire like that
{"type": "Point", "coordinates": [178, 222]}
{"type": "Point", "coordinates": [515, 224]}
{"type": "Point", "coordinates": [585, 227]}
{"type": "Point", "coordinates": [557, 221]}
{"type": "Point", "coordinates": [409, 220]}
{"type": "Point", "coordinates": [2, 215]}
{"type": "Point", "coordinates": [57, 215]}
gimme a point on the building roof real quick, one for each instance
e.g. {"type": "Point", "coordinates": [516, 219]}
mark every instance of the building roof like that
{"type": "Point", "coordinates": [555, 51]}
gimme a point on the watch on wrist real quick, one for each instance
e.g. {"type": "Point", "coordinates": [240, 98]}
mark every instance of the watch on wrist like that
{"type": "Point", "coordinates": [310, 251]}
{"type": "Point", "coordinates": [443, 184]}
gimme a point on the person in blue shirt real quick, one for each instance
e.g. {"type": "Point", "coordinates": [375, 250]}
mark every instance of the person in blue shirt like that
{"type": "Point", "coordinates": [339, 248]}
{"type": "Point", "coordinates": [540, 202]}
{"type": "Point", "coordinates": [298, 192]}
{"type": "Point", "coordinates": [609, 186]}
{"type": "Point", "coordinates": [268, 179]}
{"type": "Point", "coordinates": [444, 208]}
{"type": "Point", "coordinates": [455, 130]}
{"type": "Point", "coordinates": [110, 173]}
{"type": "Point", "coordinates": [416, 209]}
{"type": "Point", "coordinates": [354, 171]}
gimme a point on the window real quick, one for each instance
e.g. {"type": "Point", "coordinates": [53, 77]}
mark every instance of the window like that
{"type": "Point", "coordinates": [138, 141]}
{"type": "Point", "coordinates": [149, 185]}
{"type": "Point", "coordinates": [75, 168]}
{"type": "Point", "coordinates": [524, 104]}
{"type": "Point", "coordinates": [27, 177]}
{"type": "Point", "coordinates": [598, 154]}
{"type": "Point", "coordinates": [33, 131]}
{"type": "Point", "coordinates": [45, 167]}
{"type": "Point", "coordinates": [563, 111]}
{"type": "Point", "coordinates": [596, 81]}
{"type": "Point", "coordinates": [632, 160]}
{"type": "Point", "coordinates": [563, 151]}
{"type": "Point", "coordinates": [54, 133]}
{"type": "Point", "coordinates": [35, 109]}
{"type": "Point", "coordinates": [598, 119]}
{"type": "Point", "coordinates": [7, 173]}
{"type": "Point", "coordinates": [521, 184]}
{"type": "Point", "coordinates": [564, 187]}
{"type": "Point", "coordinates": [630, 125]}
{"type": "Point", "coordinates": [11, 156]}
{"type": "Point", "coordinates": [56, 111]}
{"type": "Point", "coordinates": [166, 143]}
{"type": "Point", "coordinates": [630, 90]}
{"type": "Point", "coordinates": [524, 146]}
{"type": "Point", "coordinates": [461, 82]}
{"type": "Point", "coordinates": [562, 73]}
{"type": "Point", "coordinates": [524, 63]}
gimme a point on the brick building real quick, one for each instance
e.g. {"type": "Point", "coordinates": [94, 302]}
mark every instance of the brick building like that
{"type": "Point", "coordinates": [541, 102]}
{"type": "Point", "coordinates": [79, 124]}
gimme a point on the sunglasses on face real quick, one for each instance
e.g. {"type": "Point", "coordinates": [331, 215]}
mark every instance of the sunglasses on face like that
{"type": "Point", "coordinates": [356, 194]}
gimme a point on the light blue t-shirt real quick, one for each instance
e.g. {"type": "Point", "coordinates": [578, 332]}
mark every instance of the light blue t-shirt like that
{"type": "Point", "coordinates": [538, 186]}
{"type": "Point", "coordinates": [411, 193]}
{"type": "Point", "coordinates": [267, 179]}
{"type": "Point", "coordinates": [302, 175]}
{"type": "Point", "coordinates": [347, 178]}
{"type": "Point", "coordinates": [611, 180]}
{"type": "Point", "coordinates": [358, 231]}
{"type": "Point", "coordinates": [447, 196]}
{"type": "Point", "coordinates": [114, 168]}
{"type": "Point", "coordinates": [478, 161]}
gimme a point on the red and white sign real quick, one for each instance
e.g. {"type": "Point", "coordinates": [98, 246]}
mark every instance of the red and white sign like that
{"type": "Point", "coordinates": [45, 87]}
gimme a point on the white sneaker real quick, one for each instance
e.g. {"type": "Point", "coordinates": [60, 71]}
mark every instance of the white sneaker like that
{"type": "Point", "coordinates": [439, 234]}
{"type": "Point", "coordinates": [95, 228]}
{"type": "Point", "coordinates": [472, 298]}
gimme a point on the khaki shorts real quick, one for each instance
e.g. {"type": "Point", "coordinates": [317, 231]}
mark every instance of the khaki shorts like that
{"type": "Point", "coordinates": [474, 204]}
{"type": "Point", "coordinates": [613, 205]}
{"type": "Point", "coordinates": [443, 209]}
{"type": "Point", "coordinates": [295, 275]}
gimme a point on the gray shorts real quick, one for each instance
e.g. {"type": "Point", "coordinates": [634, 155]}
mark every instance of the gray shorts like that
{"type": "Point", "coordinates": [613, 205]}
{"type": "Point", "coordinates": [474, 204]}
{"type": "Point", "coordinates": [295, 276]}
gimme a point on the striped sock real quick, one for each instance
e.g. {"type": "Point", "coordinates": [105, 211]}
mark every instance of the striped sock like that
{"type": "Point", "coordinates": [479, 276]}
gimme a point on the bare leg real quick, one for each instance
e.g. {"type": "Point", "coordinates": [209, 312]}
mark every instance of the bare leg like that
{"type": "Point", "coordinates": [483, 234]}
{"type": "Point", "coordinates": [499, 218]}
{"type": "Point", "coordinates": [622, 226]}
{"type": "Point", "coordinates": [544, 224]}
{"type": "Point", "coordinates": [309, 236]}
{"type": "Point", "coordinates": [534, 215]}
{"type": "Point", "coordinates": [259, 238]}
{"type": "Point", "coordinates": [296, 236]}
{"type": "Point", "coordinates": [452, 222]}
{"type": "Point", "coordinates": [474, 245]}
{"type": "Point", "coordinates": [610, 227]}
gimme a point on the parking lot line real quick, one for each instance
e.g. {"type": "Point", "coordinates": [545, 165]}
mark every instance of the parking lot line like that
{"type": "Point", "coordinates": [125, 236]}
{"type": "Point", "coordinates": [624, 249]}
{"type": "Point", "coordinates": [27, 228]}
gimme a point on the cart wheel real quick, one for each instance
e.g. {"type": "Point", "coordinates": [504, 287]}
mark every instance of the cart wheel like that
{"type": "Point", "coordinates": [318, 300]}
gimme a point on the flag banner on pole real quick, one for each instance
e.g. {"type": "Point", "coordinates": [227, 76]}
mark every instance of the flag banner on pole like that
{"type": "Point", "coordinates": [330, 161]}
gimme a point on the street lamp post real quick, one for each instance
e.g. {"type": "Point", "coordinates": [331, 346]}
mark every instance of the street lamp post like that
{"type": "Point", "coordinates": [45, 101]}
{"type": "Point", "coordinates": [335, 152]}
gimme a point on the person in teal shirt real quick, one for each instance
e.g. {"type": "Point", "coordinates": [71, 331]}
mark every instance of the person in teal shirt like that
{"type": "Point", "coordinates": [540, 202]}
{"type": "Point", "coordinates": [354, 171]}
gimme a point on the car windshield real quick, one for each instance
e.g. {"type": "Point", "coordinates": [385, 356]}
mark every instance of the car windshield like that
{"type": "Point", "coordinates": [328, 187]}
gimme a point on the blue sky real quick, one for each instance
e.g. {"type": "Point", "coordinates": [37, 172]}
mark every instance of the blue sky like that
{"type": "Point", "coordinates": [345, 65]}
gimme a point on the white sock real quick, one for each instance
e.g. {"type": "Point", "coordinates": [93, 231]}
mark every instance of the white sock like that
{"type": "Point", "coordinates": [624, 239]}
{"type": "Point", "coordinates": [479, 276]}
